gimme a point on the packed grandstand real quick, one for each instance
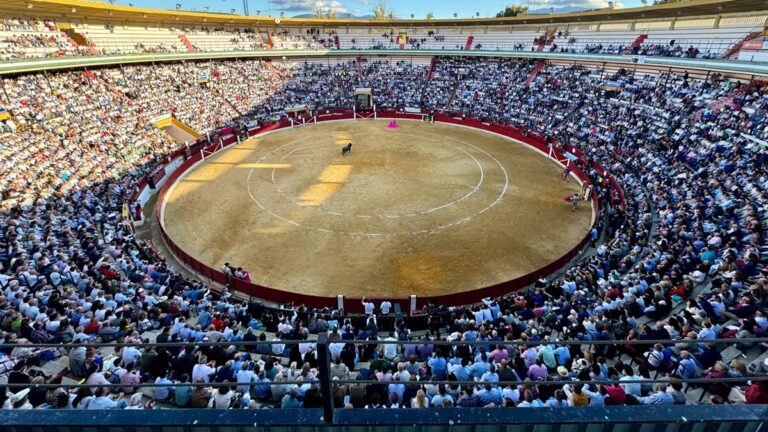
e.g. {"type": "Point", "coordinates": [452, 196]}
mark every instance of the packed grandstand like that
{"type": "Point", "coordinates": [672, 288]}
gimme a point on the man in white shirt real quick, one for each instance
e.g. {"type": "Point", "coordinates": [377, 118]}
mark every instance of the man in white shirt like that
{"type": "Point", "coordinates": [386, 306]}
{"type": "Point", "coordinates": [131, 354]}
{"type": "Point", "coordinates": [368, 306]}
{"type": "Point", "coordinates": [390, 350]}
{"type": "Point", "coordinates": [203, 370]}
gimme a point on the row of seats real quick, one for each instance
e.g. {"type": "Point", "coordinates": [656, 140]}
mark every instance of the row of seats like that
{"type": "Point", "coordinates": [105, 38]}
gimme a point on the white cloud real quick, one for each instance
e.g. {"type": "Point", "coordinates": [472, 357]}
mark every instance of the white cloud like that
{"type": "Point", "coordinates": [308, 5]}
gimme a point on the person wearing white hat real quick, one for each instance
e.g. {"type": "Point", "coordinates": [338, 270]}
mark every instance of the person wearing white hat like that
{"type": "Point", "coordinates": [18, 400]}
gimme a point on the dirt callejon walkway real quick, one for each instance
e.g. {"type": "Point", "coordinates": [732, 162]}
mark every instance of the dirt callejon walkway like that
{"type": "Point", "coordinates": [422, 209]}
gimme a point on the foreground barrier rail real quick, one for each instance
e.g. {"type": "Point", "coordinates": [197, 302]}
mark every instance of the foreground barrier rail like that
{"type": "Point", "coordinates": [332, 414]}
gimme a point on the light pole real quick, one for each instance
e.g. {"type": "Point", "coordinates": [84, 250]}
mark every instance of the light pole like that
{"type": "Point", "coordinates": [245, 8]}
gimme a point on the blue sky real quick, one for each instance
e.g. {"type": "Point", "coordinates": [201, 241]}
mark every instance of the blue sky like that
{"type": "Point", "coordinates": [402, 8]}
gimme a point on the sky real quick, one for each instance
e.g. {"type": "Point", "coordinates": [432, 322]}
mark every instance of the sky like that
{"type": "Point", "coordinates": [402, 8]}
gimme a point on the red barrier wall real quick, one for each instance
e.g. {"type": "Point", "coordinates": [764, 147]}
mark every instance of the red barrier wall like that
{"type": "Point", "coordinates": [354, 305]}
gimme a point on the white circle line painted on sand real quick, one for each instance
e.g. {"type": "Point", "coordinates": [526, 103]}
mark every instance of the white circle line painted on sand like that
{"type": "Point", "coordinates": [385, 216]}
{"type": "Point", "coordinates": [373, 234]}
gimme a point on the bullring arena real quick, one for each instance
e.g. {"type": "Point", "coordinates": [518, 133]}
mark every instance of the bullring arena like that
{"type": "Point", "coordinates": [421, 219]}
{"type": "Point", "coordinates": [424, 209]}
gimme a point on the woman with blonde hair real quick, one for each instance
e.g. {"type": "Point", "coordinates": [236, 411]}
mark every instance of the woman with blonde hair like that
{"type": "Point", "coordinates": [420, 401]}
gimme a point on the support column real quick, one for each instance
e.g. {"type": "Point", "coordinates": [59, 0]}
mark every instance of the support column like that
{"type": "Point", "coordinates": [324, 368]}
{"type": "Point", "coordinates": [5, 93]}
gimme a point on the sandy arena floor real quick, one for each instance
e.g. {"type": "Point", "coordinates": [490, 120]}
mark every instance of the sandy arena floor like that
{"type": "Point", "coordinates": [424, 209]}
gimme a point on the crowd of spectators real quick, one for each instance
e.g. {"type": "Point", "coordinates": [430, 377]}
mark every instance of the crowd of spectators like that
{"type": "Point", "coordinates": [682, 260]}
{"type": "Point", "coordinates": [24, 38]}
{"type": "Point", "coordinates": [28, 38]}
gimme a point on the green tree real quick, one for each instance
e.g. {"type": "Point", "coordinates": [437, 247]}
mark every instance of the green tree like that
{"type": "Point", "coordinates": [320, 13]}
{"type": "Point", "coordinates": [380, 12]}
{"type": "Point", "coordinates": [430, 15]}
{"type": "Point", "coordinates": [512, 10]}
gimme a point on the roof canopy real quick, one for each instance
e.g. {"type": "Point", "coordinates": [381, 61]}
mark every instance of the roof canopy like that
{"type": "Point", "coordinates": [83, 9]}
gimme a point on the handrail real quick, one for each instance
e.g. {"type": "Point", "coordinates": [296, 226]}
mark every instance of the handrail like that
{"type": "Point", "coordinates": [386, 342]}
{"type": "Point", "coordinates": [43, 64]}
{"type": "Point", "coordinates": [551, 383]}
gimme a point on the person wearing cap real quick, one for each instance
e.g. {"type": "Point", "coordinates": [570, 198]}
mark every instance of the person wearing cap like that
{"type": "Point", "coordinates": [562, 374]}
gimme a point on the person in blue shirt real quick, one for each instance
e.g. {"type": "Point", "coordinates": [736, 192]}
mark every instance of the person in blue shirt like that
{"type": "Point", "coordinates": [687, 366]}
{"type": "Point", "coordinates": [490, 395]}
{"type": "Point", "coordinates": [262, 389]}
{"type": "Point", "coordinates": [529, 401]}
{"type": "Point", "coordinates": [480, 367]}
{"type": "Point", "coordinates": [558, 400]}
{"type": "Point", "coordinates": [438, 365]}
{"type": "Point", "coordinates": [463, 372]}
{"type": "Point", "coordinates": [563, 355]}
{"type": "Point", "coordinates": [205, 318]}
{"type": "Point", "coordinates": [596, 398]}
{"type": "Point", "coordinates": [163, 393]}
{"type": "Point", "coordinates": [101, 400]}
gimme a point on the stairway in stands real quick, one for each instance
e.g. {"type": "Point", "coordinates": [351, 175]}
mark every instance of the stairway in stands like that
{"type": "Point", "coordinates": [733, 52]}
{"type": "Point", "coordinates": [184, 40]}
{"type": "Point", "coordinates": [275, 77]}
{"type": "Point", "coordinates": [447, 106]}
{"type": "Point", "coordinates": [359, 63]}
{"type": "Point", "coordinates": [726, 100]}
{"type": "Point", "coordinates": [535, 72]}
{"type": "Point", "coordinates": [432, 65]}
{"type": "Point", "coordinates": [468, 45]}
{"type": "Point", "coordinates": [77, 40]}
{"type": "Point", "coordinates": [637, 42]}
{"type": "Point", "coordinates": [545, 40]}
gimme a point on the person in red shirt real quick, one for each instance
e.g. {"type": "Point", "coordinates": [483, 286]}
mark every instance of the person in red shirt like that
{"type": "Point", "coordinates": [92, 327]}
{"type": "Point", "coordinates": [217, 322]}
{"type": "Point", "coordinates": [616, 394]}
{"type": "Point", "coordinates": [107, 272]}
{"type": "Point", "coordinates": [757, 393]}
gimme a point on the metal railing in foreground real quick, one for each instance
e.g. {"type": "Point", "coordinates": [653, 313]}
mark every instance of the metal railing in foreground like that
{"type": "Point", "coordinates": [327, 388]}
